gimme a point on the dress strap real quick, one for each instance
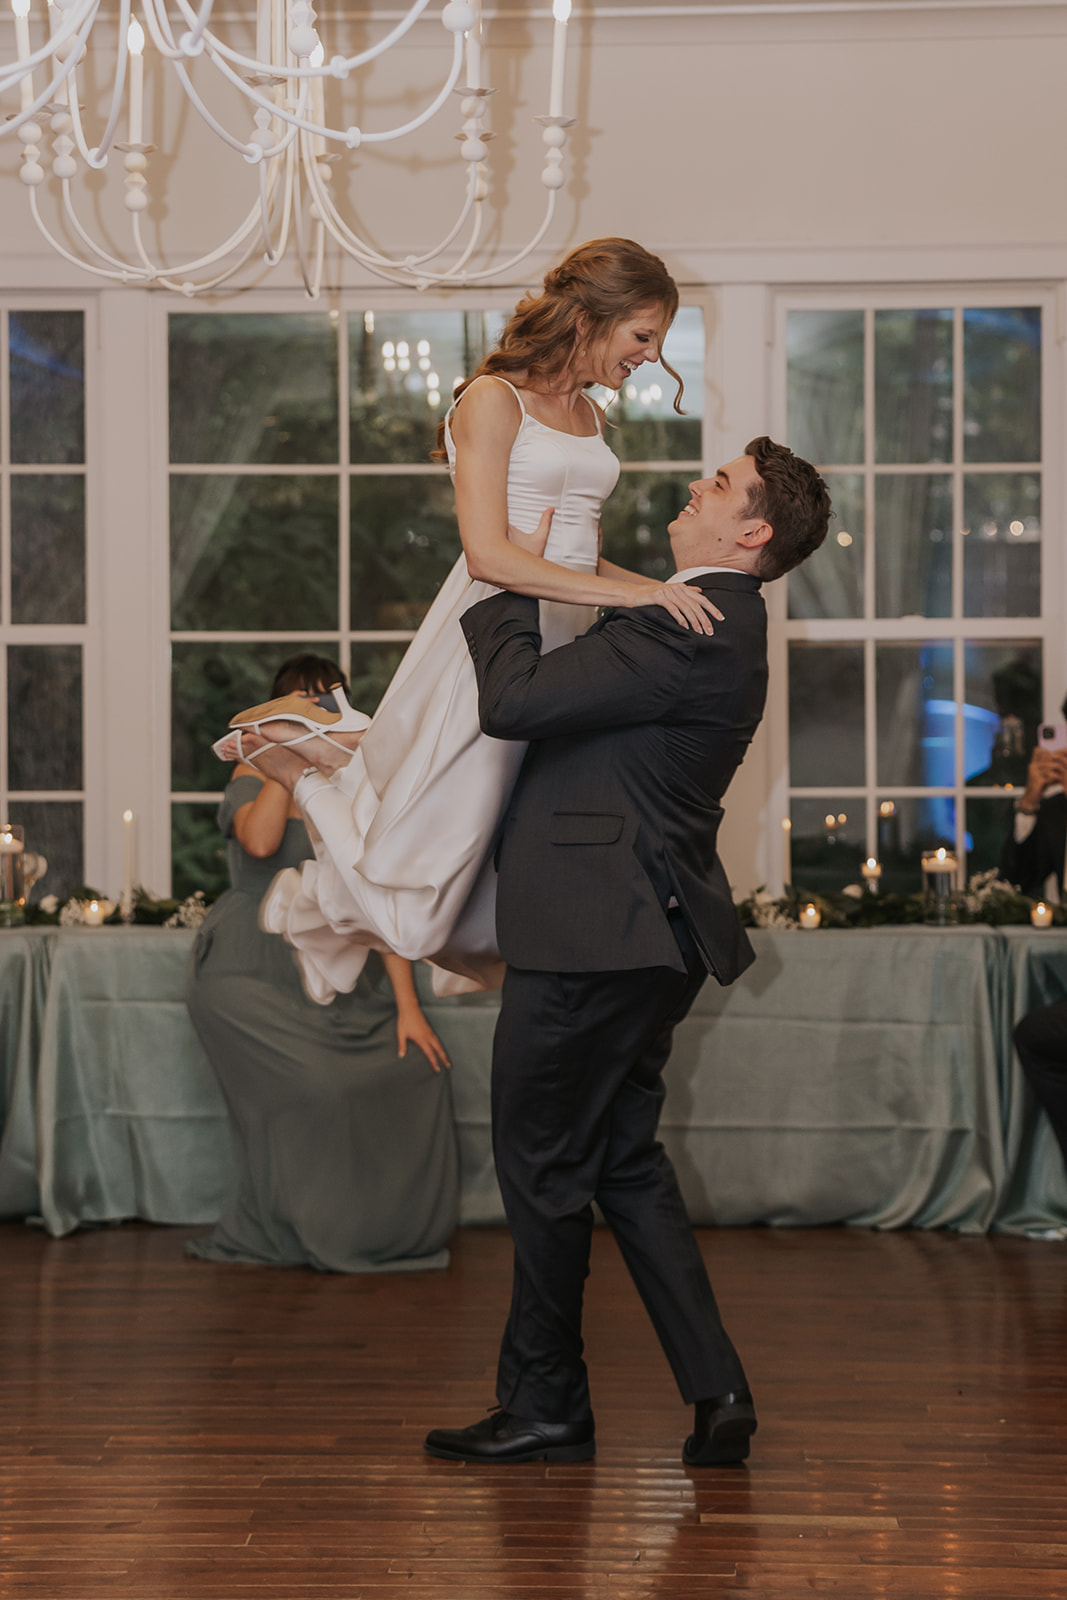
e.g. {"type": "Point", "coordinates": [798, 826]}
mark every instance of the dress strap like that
{"type": "Point", "coordinates": [499, 379]}
{"type": "Point", "coordinates": [597, 413]}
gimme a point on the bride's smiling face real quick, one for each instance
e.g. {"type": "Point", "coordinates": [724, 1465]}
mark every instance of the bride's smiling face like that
{"type": "Point", "coordinates": [632, 341]}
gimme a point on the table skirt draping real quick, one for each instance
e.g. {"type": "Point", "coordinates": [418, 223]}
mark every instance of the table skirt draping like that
{"type": "Point", "coordinates": [857, 1077]}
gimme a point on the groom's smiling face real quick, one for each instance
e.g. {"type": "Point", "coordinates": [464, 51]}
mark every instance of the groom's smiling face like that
{"type": "Point", "coordinates": [717, 516]}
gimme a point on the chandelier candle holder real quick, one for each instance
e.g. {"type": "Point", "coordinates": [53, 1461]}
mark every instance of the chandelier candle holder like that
{"type": "Point", "coordinates": [940, 903]}
{"type": "Point", "coordinates": [289, 136]}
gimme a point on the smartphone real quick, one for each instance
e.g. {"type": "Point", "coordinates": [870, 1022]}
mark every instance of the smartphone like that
{"type": "Point", "coordinates": [1052, 736]}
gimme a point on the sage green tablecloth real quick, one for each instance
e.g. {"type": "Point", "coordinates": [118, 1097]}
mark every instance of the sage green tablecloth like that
{"type": "Point", "coordinates": [861, 1077]}
{"type": "Point", "coordinates": [1033, 973]}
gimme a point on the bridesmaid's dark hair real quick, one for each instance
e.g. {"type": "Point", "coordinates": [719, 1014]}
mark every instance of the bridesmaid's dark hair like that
{"type": "Point", "coordinates": [605, 281]}
{"type": "Point", "coordinates": [306, 672]}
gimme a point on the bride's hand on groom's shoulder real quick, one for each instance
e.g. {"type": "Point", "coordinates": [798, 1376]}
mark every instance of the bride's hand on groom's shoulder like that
{"type": "Point", "coordinates": [533, 542]}
{"type": "Point", "coordinates": [687, 605]}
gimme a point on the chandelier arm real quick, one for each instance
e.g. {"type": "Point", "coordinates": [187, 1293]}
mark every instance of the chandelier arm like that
{"type": "Point", "coordinates": [98, 155]}
{"type": "Point", "coordinates": [66, 70]}
{"type": "Point", "coordinates": [344, 64]}
{"type": "Point", "coordinates": [192, 43]}
{"type": "Point", "coordinates": [18, 68]}
{"type": "Point", "coordinates": [188, 289]}
{"type": "Point", "coordinates": [155, 12]}
{"type": "Point", "coordinates": [335, 135]}
{"type": "Point", "coordinates": [505, 266]}
{"type": "Point", "coordinates": [251, 152]}
{"type": "Point", "coordinates": [275, 253]}
{"type": "Point", "coordinates": [122, 273]}
{"type": "Point", "coordinates": [352, 243]}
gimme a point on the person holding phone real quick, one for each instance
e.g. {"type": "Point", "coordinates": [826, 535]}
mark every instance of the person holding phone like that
{"type": "Point", "coordinates": [1036, 847]}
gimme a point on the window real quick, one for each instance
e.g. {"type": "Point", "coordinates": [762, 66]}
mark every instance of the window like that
{"type": "Point", "coordinates": [913, 638]}
{"type": "Point", "coordinates": [43, 584]}
{"type": "Point", "coordinates": [305, 514]}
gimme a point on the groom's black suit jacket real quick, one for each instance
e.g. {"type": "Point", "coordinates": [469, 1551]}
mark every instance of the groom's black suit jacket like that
{"type": "Point", "coordinates": [636, 730]}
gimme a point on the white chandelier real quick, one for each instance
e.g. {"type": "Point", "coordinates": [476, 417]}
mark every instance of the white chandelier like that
{"type": "Point", "coordinates": [287, 139]}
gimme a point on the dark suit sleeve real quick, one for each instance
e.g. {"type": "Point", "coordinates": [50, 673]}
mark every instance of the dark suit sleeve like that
{"type": "Point", "coordinates": [1027, 865]}
{"type": "Point", "coordinates": [629, 669]}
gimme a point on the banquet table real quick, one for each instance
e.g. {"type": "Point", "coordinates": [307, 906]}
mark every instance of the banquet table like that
{"type": "Point", "coordinates": [861, 1077]}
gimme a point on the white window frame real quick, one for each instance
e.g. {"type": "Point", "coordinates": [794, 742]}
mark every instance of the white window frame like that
{"type": "Point", "coordinates": [1047, 629]}
{"type": "Point", "coordinates": [84, 634]}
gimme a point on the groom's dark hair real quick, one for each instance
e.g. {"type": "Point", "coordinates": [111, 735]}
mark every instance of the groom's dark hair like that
{"type": "Point", "coordinates": [793, 499]}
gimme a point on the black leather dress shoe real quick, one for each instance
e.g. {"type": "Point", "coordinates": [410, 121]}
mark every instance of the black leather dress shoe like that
{"type": "Point", "coordinates": [721, 1431]}
{"type": "Point", "coordinates": [502, 1437]}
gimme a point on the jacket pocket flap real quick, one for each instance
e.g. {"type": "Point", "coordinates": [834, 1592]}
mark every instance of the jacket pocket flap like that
{"type": "Point", "coordinates": [584, 827]}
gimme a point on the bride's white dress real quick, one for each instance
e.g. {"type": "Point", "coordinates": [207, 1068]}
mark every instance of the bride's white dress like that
{"type": "Point", "coordinates": [403, 860]}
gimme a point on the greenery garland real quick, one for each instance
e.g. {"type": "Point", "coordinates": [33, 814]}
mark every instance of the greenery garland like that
{"type": "Point", "coordinates": [148, 911]}
{"type": "Point", "coordinates": [986, 899]}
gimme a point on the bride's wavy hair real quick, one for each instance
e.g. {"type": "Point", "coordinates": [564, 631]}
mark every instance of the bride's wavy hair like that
{"type": "Point", "coordinates": [605, 281]}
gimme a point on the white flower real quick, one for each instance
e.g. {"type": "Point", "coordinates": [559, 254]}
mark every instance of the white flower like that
{"type": "Point", "coordinates": [191, 912]}
{"type": "Point", "coordinates": [48, 904]}
{"type": "Point", "coordinates": [72, 914]}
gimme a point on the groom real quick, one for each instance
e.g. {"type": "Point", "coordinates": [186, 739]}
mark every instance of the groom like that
{"type": "Point", "coordinates": [612, 908]}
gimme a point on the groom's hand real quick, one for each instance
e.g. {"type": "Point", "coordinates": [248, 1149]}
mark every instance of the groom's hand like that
{"type": "Point", "coordinates": [533, 542]}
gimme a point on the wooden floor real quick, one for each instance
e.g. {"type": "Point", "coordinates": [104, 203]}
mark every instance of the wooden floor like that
{"type": "Point", "coordinates": [173, 1428]}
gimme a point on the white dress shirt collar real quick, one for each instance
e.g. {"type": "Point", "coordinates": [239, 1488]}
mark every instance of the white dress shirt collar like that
{"type": "Point", "coordinates": [697, 572]}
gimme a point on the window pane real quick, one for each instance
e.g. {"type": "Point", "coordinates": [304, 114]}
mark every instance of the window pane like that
{"type": "Point", "coordinates": [906, 828]}
{"type": "Point", "coordinates": [54, 829]}
{"type": "Point", "coordinates": [916, 714]}
{"type": "Point", "coordinates": [253, 553]}
{"type": "Point", "coordinates": [373, 666]}
{"type": "Point", "coordinates": [1003, 709]}
{"type": "Point", "coordinates": [825, 714]}
{"type": "Point", "coordinates": [210, 683]}
{"type": "Point", "coordinates": [393, 359]}
{"type": "Point", "coordinates": [825, 354]}
{"type": "Point", "coordinates": [44, 716]}
{"type": "Point", "coordinates": [1002, 385]}
{"type": "Point", "coordinates": [1002, 548]}
{"type": "Point", "coordinates": [48, 548]}
{"type": "Point", "coordinates": [913, 545]}
{"type": "Point", "coordinates": [989, 822]}
{"type": "Point", "coordinates": [913, 385]}
{"type": "Point", "coordinates": [246, 388]}
{"type": "Point", "coordinates": [642, 422]}
{"type": "Point", "coordinates": [830, 583]}
{"type": "Point", "coordinates": [635, 517]}
{"type": "Point", "coordinates": [827, 843]}
{"type": "Point", "coordinates": [197, 849]}
{"type": "Point", "coordinates": [404, 544]}
{"type": "Point", "coordinates": [47, 386]}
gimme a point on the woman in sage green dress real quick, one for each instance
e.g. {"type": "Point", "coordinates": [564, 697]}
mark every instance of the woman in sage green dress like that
{"type": "Point", "coordinates": [341, 1116]}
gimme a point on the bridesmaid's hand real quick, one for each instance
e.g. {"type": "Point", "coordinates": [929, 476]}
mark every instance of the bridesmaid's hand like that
{"type": "Point", "coordinates": [412, 1028]}
{"type": "Point", "coordinates": [533, 542]}
{"type": "Point", "coordinates": [687, 605]}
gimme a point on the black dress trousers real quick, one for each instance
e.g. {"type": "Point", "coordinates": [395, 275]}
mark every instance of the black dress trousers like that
{"type": "Point", "coordinates": [577, 1091]}
{"type": "Point", "coordinates": [1041, 1040]}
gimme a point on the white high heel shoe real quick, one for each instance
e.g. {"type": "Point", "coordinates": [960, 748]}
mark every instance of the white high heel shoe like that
{"type": "Point", "coordinates": [323, 716]}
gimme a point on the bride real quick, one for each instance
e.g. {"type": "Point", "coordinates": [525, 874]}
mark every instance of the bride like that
{"type": "Point", "coordinates": [403, 809]}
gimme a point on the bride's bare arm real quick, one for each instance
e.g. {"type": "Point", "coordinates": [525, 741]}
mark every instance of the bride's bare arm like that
{"type": "Point", "coordinates": [484, 427]}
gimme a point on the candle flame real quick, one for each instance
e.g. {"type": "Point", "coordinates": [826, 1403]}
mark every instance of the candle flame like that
{"type": "Point", "coordinates": [871, 862]}
{"type": "Point", "coordinates": [127, 816]}
{"type": "Point", "coordinates": [787, 823]}
{"type": "Point", "coordinates": [941, 853]}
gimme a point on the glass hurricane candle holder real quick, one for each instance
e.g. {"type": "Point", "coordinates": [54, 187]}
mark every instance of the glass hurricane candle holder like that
{"type": "Point", "coordinates": [12, 883]}
{"type": "Point", "coordinates": [810, 917]}
{"type": "Point", "coordinates": [941, 905]}
{"type": "Point", "coordinates": [1041, 915]}
{"type": "Point", "coordinates": [872, 875]}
